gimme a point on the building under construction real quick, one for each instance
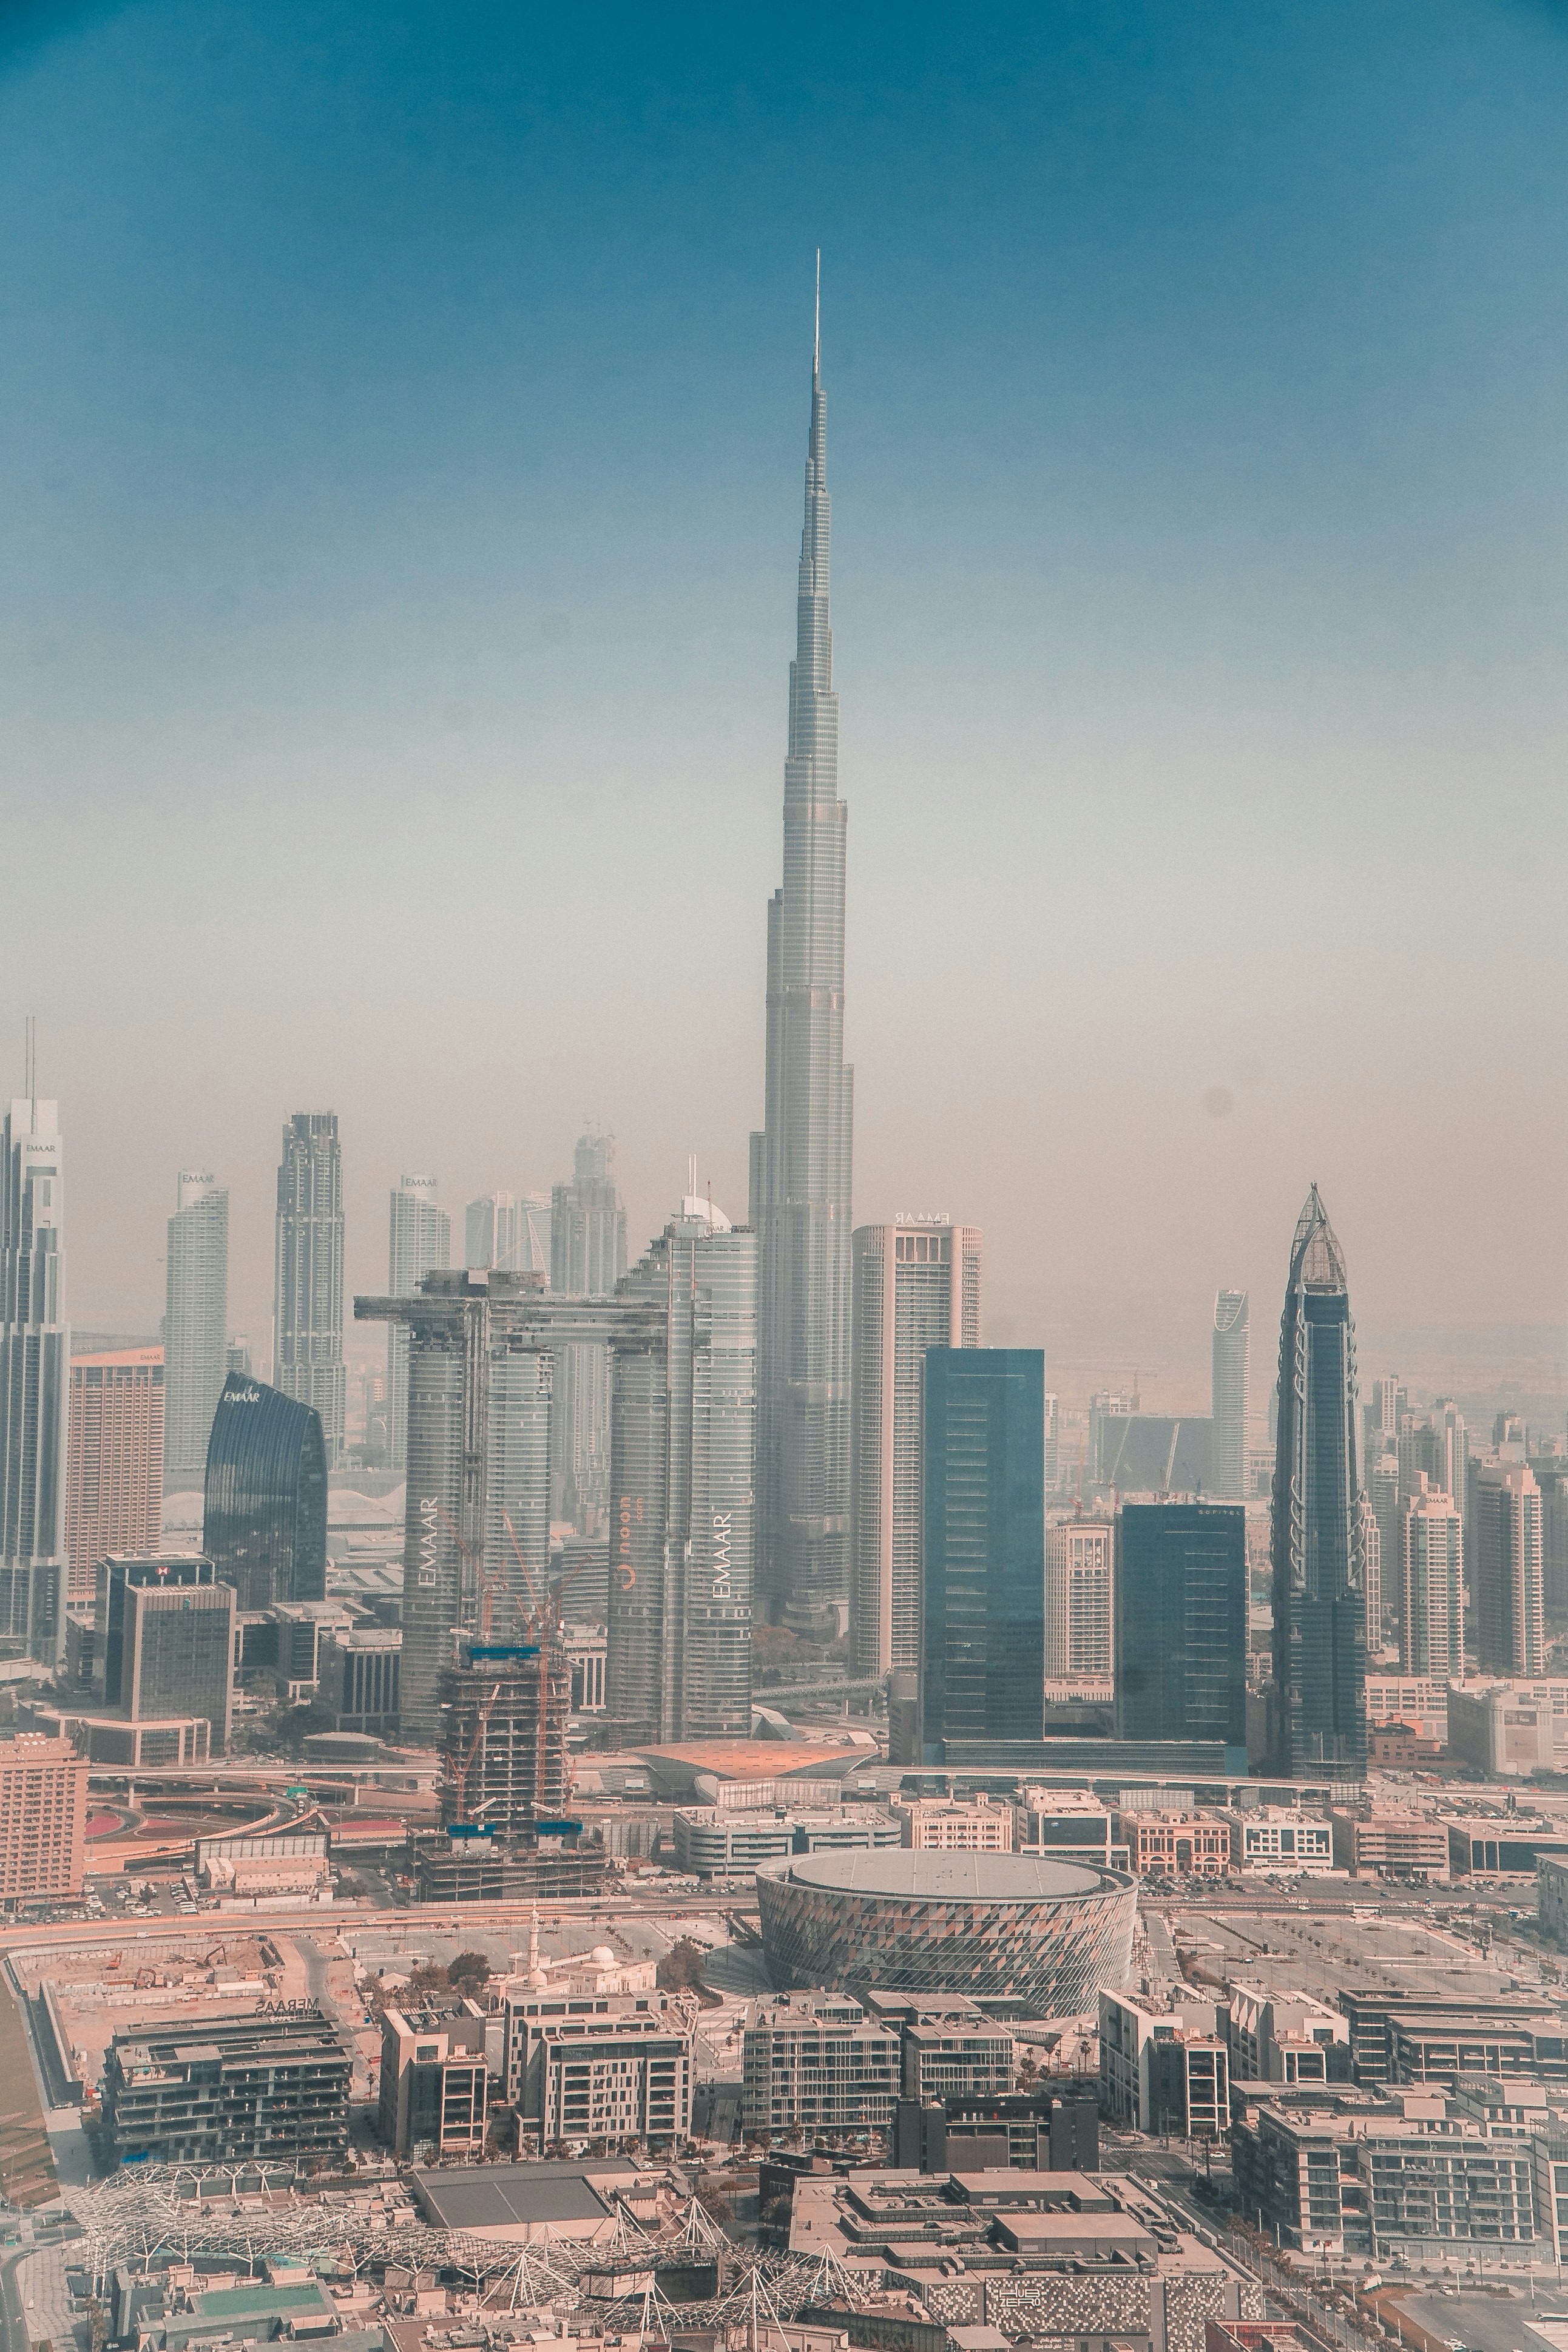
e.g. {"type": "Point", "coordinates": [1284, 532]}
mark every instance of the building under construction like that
{"type": "Point", "coordinates": [502, 1736]}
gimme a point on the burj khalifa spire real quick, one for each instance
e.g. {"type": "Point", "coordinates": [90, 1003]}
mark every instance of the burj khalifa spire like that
{"type": "Point", "coordinates": [801, 1159]}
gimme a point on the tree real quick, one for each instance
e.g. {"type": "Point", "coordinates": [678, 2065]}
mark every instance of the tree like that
{"type": "Point", "coordinates": [467, 1972]}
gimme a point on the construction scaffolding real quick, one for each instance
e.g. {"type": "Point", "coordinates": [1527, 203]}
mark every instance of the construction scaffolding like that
{"type": "Point", "coordinates": [502, 1735]}
{"type": "Point", "coordinates": [158, 2215]}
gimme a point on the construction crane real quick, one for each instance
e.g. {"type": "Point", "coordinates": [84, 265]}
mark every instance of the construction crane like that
{"type": "Point", "coordinates": [458, 1774]}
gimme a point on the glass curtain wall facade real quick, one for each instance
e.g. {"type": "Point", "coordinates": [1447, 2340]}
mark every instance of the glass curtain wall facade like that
{"type": "Point", "coordinates": [678, 1660]}
{"type": "Point", "coordinates": [1319, 1638]}
{"type": "Point", "coordinates": [195, 1322]}
{"type": "Point", "coordinates": [1181, 1622]}
{"type": "Point", "coordinates": [35, 1370]}
{"type": "Point", "coordinates": [419, 1237]}
{"type": "Point", "coordinates": [800, 1160]}
{"type": "Point", "coordinates": [1228, 1396]}
{"type": "Point", "coordinates": [983, 1668]}
{"type": "Point", "coordinates": [480, 1381]}
{"type": "Point", "coordinates": [587, 1233]}
{"type": "Point", "coordinates": [307, 1284]}
{"type": "Point", "coordinates": [915, 1286]}
{"type": "Point", "coordinates": [113, 1577]}
{"type": "Point", "coordinates": [264, 1523]}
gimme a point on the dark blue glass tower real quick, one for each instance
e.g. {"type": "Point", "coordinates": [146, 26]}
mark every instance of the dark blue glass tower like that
{"type": "Point", "coordinates": [265, 1521]}
{"type": "Point", "coordinates": [1181, 1622]}
{"type": "Point", "coordinates": [1319, 1568]}
{"type": "Point", "coordinates": [983, 1640]}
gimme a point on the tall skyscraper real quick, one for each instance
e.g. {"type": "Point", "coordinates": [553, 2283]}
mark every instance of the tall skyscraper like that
{"type": "Point", "coordinates": [419, 1237]}
{"type": "Point", "coordinates": [1080, 1573]}
{"type": "Point", "coordinates": [477, 1526]}
{"type": "Point", "coordinates": [308, 1288]}
{"type": "Point", "coordinates": [1432, 1572]}
{"type": "Point", "coordinates": [114, 1462]}
{"type": "Point", "coordinates": [587, 1258]}
{"type": "Point", "coordinates": [195, 1323]}
{"type": "Point", "coordinates": [1319, 1598]}
{"type": "Point", "coordinates": [1181, 1621]}
{"type": "Point", "coordinates": [509, 1231]}
{"type": "Point", "coordinates": [983, 1675]}
{"type": "Point", "coordinates": [1451, 1453]}
{"type": "Point", "coordinates": [264, 1525]}
{"type": "Point", "coordinates": [800, 1169]}
{"type": "Point", "coordinates": [916, 1284]}
{"type": "Point", "coordinates": [34, 1362]}
{"type": "Point", "coordinates": [678, 1662]}
{"type": "Point", "coordinates": [1372, 1577]}
{"type": "Point", "coordinates": [1229, 1392]}
{"type": "Point", "coordinates": [1508, 1570]}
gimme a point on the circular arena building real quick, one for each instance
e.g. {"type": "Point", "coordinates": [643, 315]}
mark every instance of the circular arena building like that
{"type": "Point", "coordinates": [1045, 1933]}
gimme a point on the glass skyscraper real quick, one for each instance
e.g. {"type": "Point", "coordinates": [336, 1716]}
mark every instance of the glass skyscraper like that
{"type": "Point", "coordinates": [420, 1236]}
{"type": "Point", "coordinates": [195, 1323]}
{"type": "Point", "coordinates": [1227, 1395]}
{"type": "Point", "coordinates": [983, 1671]}
{"type": "Point", "coordinates": [916, 1284]}
{"type": "Point", "coordinates": [1320, 1605]}
{"type": "Point", "coordinates": [308, 1289]}
{"type": "Point", "coordinates": [678, 1662]}
{"type": "Point", "coordinates": [587, 1258]}
{"type": "Point", "coordinates": [265, 1518]}
{"type": "Point", "coordinates": [1180, 1591]}
{"type": "Point", "coordinates": [800, 1162]}
{"type": "Point", "coordinates": [34, 1370]}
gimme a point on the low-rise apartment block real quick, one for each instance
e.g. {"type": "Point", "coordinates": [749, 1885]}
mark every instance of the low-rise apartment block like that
{"type": "Point", "coordinates": [434, 2081]}
{"type": "Point", "coordinates": [1175, 1844]}
{"type": "Point", "coordinates": [1285, 2038]}
{"type": "Point", "coordinates": [1068, 1822]}
{"type": "Point", "coordinates": [1420, 1701]}
{"type": "Point", "coordinates": [935, 1825]}
{"type": "Point", "coordinates": [1165, 2068]}
{"type": "Point", "coordinates": [599, 2066]}
{"type": "Point", "coordinates": [949, 2047]}
{"type": "Point", "coordinates": [1391, 1844]}
{"type": "Point", "coordinates": [816, 2061]}
{"type": "Point", "coordinates": [1278, 1837]}
{"type": "Point", "coordinates": [1509, 1728]}
{"type": "Point", "coordinates": [228, 2089]}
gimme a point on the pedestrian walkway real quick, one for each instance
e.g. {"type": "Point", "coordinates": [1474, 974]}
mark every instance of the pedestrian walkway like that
{"type": "Point", "coordinates": [46, 2300]}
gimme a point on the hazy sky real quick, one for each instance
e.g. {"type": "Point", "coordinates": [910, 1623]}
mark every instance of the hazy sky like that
{"type": "Point", "coordinates": [400, 492]}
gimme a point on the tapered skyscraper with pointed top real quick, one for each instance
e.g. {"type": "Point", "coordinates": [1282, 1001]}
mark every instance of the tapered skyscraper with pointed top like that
{"type": "Point", "coordinates": [801, 1159]}
{"type": "Point", "coordinates": [1319, 1542]}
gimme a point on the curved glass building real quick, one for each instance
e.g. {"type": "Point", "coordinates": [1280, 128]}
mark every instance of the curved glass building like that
{"type": "Point", "coordinates": [1031, 1928]}
{"type": "Point", "coordinates": [265, 1521]}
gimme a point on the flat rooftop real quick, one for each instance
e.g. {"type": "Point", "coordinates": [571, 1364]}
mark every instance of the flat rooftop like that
{"type": "Point", "coordinates": [901, 1873]}
{"type": "Point", "coordinates": [504, 2196]}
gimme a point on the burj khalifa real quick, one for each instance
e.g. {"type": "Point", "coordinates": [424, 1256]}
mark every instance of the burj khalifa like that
{"type": "Point", "coordinates": [800, 1161]}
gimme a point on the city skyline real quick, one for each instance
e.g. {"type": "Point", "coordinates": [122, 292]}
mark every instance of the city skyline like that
{"type": "Point", "coordinates": [1293, 479]}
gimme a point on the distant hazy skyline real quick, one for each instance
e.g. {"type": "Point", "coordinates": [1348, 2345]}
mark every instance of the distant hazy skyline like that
{"type": "Point", "coordinates": [401, 500]}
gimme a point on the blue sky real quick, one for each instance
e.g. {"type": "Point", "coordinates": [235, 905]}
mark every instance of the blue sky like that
{"type": "Point", "coordinates": [399, 500]}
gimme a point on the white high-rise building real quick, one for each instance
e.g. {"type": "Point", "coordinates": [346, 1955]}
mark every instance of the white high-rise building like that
{"type": "Point", "coordinates": [1228, 1394]}
{"type": "Point", "coordinates": [195, 1323]}
{"type": "Point", "coordinates": [1432, 1610]}
{"type": "Point", "coordinates": [1372, 1540]}
{"type": "Point", "coordinates": [914, 1285]}
{"type": "Point", "coordinates": [1079, 1604]}
{"type": "Point", "coordinates": [34, 1375]}
{"type": "Point", "coordinates": [419, 1237]}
